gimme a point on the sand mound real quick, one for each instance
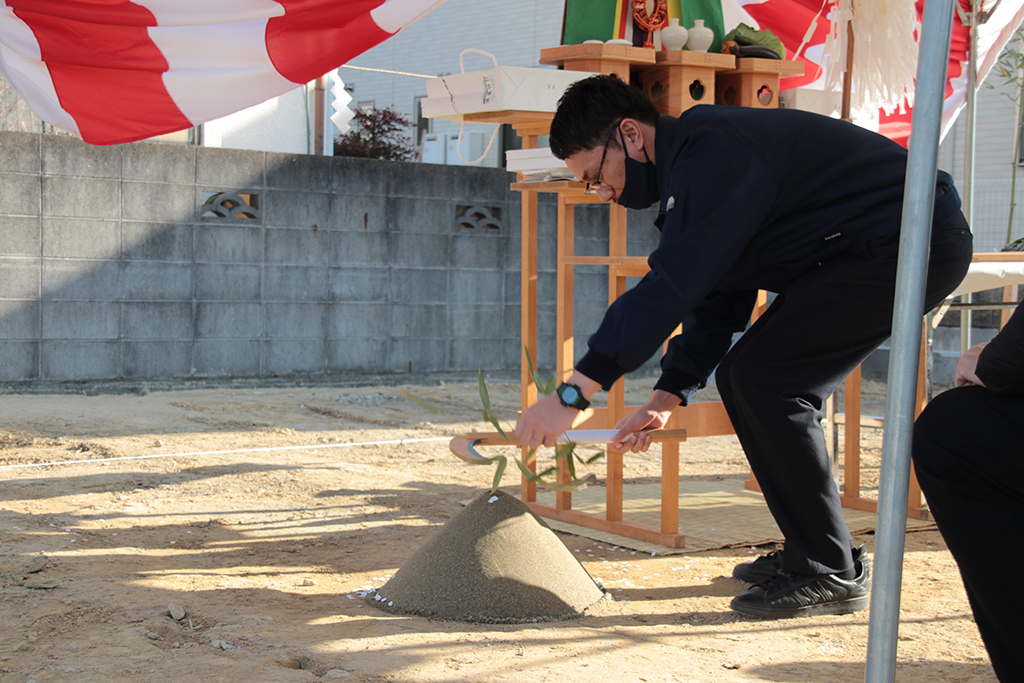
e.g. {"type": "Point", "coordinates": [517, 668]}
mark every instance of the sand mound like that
{"type": "Point", "coordinates": [494, 562]}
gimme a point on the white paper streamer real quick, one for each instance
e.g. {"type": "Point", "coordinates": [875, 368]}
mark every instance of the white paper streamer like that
{"type": "Point", "coordinates": [884, 52]}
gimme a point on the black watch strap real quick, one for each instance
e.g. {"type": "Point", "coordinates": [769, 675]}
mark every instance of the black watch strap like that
{"type": "Point", "coordinates": [571, 396]}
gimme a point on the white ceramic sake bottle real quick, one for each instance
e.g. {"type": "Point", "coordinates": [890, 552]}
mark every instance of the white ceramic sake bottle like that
{"type": "Point", "coordinates": [673, 36]}
{"type": "Point", "coordinates": [700, 37]}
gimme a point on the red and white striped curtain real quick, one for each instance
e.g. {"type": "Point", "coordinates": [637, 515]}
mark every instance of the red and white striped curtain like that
{"type": "Point", "coordinates": [115, 71]}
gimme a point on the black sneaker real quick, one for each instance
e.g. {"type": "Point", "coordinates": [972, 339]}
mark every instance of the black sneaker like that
{"type": "Point", "coordinates": [760, 569]}
{"type": "Point", "coordinates": [766, 566]}
{"type": "Point", "coordinates": [788, 595]}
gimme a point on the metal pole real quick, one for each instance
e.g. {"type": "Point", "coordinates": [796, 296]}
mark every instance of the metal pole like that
{"type": "Point", "coordinates": [972, 108]}
{"type": "Point", "coordinates": [936, 30]}
{"type": "Point", "coordinates": [966, 319]}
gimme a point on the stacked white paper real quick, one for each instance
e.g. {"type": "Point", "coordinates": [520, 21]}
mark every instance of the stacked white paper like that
{"type": "Point", "coordinates": [537, 163]}
{"type": "Point", "coordinates": [511, 88]}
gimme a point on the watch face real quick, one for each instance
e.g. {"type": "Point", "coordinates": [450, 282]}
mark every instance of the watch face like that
{"type": "Point", "coordinates": [570, 395]}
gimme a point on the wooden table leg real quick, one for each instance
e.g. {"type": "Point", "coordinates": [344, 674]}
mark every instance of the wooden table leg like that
{"type": "Point", "coordinates": [851, 435]}
{"type": "Point", "coordinates": [670, 487]}
{"type": "Point", "coordinates": [564, 321]}
{"type": "Point", "coordinates": [528, 321]}
{"type": "Point", "coordinates": [617, 394]}
{"type": "Point", "coordinates": [915, 500]}
{"type": "Point", "coordinates": [1010, 293]}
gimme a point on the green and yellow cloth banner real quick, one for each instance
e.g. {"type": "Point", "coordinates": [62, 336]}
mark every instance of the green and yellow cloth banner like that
{"type": "Point", "coordinates": [608, 19]}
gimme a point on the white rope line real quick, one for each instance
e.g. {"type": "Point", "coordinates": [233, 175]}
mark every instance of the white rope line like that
{"type": "Point", "coordinates": [383, 71]}
{"type": "Point", "coordinates": [193, 454]}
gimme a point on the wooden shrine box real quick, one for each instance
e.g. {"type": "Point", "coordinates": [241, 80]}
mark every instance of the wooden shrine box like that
{"type": "Point", "coordinates": [680, 79]}
{"type": "Point", "coordinates": [611, 60]}
{"type": "Point", "coordinates": [754, 82]}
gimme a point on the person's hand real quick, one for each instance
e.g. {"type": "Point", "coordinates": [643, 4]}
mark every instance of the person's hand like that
{"type": "Point", "coordinates": [967, 366]}
{"type": "Point", "coordinates": [631, 434]}
{"type": "Point", "coordinates": [543, 422]}
{"type": "Point", "coordinates": [546, 420]}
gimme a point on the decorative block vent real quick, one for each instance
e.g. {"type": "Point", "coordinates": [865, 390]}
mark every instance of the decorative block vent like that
{"type": "Point", "coordinates": [244, 205]}
{"type": "Point", "coordinates": [471, 217]}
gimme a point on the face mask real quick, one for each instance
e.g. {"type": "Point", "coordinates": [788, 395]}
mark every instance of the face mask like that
{"type": "Point", "coordinates": [640, 188]}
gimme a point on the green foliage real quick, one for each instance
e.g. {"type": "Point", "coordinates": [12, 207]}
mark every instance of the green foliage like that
{"type": "Point", "coordinates": [485, 400]}
{"type": "Point", "coordinates": [422, 403]}
{"type": "Point", "coordinates": [1016, 245]}
{"type": "Point", "coordinates": [1009, 68]}
{"type": "Point", "coordinates": [747, 35]}
{"type": "Point", "coordinates": [543, 388]}
{"type": "Point", "coordinates": [377, 134]}
{"type": "Point", "coordinates": [565, 451]}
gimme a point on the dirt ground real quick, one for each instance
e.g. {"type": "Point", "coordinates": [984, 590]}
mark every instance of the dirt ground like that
{"type": "Point", "coordinates": [239, 533]}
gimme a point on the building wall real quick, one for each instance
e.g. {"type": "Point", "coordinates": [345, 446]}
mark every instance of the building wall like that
{"type": "Point", "coordinates": [514, 32]}
{"type": "Point", "coordinates": [112, 268]}
{"type": "Point", "coordinates": [994, 157]}
{"type": "Point", "coordinates": [281, 124]}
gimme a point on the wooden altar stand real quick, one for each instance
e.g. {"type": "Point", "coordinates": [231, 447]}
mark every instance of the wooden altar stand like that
{"type": "Point", "coordinates": [675, 80]}
{"type": "Point", "coordinates": [681, 79]}
{"type": "Point", "coordinates": [623, 61]}
{"type": "Point", "coordinates": [754, 82]}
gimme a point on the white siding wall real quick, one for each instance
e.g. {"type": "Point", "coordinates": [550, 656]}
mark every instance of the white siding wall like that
{"type": "Point", "coordinates": [514, 31]}
{"type": "Point", "coordinates": [993, 166]}
{"type": "Point", "coordinates": [281, 124]}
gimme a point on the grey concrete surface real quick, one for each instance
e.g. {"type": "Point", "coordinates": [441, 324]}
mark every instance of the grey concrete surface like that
{"type": "Point", "coordinates": [113, 270]}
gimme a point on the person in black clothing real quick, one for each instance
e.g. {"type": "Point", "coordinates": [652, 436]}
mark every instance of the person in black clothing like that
{"type": "Point", "coordinates": [969, 458]}
{"type": "Point", "coordinates": [791, 202]}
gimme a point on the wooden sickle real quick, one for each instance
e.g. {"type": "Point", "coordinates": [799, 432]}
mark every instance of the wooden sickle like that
{"type": "Point", "coordinates": [465, 446]}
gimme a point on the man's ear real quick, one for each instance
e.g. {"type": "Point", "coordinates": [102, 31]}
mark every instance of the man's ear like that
{"type": "Point", "coordinates": [633, 135]}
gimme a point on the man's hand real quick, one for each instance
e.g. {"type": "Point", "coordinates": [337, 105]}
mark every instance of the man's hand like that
{"type": "Point", "coordinates": [966, 367]}
{"type": "Point", "coordinates": [632, 435]}
{"type": "Point", "coordinates": [543, 422]}
{"type": "Point", "coordinates": [546, 420]}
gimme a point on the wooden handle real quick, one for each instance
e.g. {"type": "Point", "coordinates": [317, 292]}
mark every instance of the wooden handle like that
{"type": "Point", "coordinates": [465, 446]}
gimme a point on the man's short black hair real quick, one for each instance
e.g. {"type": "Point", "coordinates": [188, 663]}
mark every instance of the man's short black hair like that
{"type": "Point", "coordinates": [590, 107]}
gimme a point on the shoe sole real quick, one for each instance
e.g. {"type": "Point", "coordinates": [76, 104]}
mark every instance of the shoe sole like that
{"type": "Point", "coordinates": [847, 606]}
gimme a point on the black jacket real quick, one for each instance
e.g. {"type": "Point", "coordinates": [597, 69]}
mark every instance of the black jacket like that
{"type": "Point", "coordinates": [1001, 363]}
{"type": "Point", "coordinates": [750, 199]}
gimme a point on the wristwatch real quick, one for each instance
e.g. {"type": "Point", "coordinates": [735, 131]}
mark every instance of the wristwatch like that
{"type": "Point", "coordinates": [571, 396]}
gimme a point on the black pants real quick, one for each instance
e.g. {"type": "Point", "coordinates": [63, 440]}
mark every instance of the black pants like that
{"type": "Point", "coordinates": [775, 379]}
{"type": "Point", "coordinates": [969, 458]}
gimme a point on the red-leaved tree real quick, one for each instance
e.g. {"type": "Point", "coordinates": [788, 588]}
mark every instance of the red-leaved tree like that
{"type": "Point", "coordinates": [377, 134]}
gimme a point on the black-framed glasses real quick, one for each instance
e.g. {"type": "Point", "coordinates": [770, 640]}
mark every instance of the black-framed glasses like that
{"type": "Point", "coordinates": [594, 186]}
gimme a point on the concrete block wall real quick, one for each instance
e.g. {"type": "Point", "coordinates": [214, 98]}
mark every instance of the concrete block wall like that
{"type": "Point", "coordinates": [113, 269]}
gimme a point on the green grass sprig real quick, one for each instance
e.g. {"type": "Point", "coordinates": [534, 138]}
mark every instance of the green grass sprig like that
{"type": "Point", "coordinates": [566, 451]}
